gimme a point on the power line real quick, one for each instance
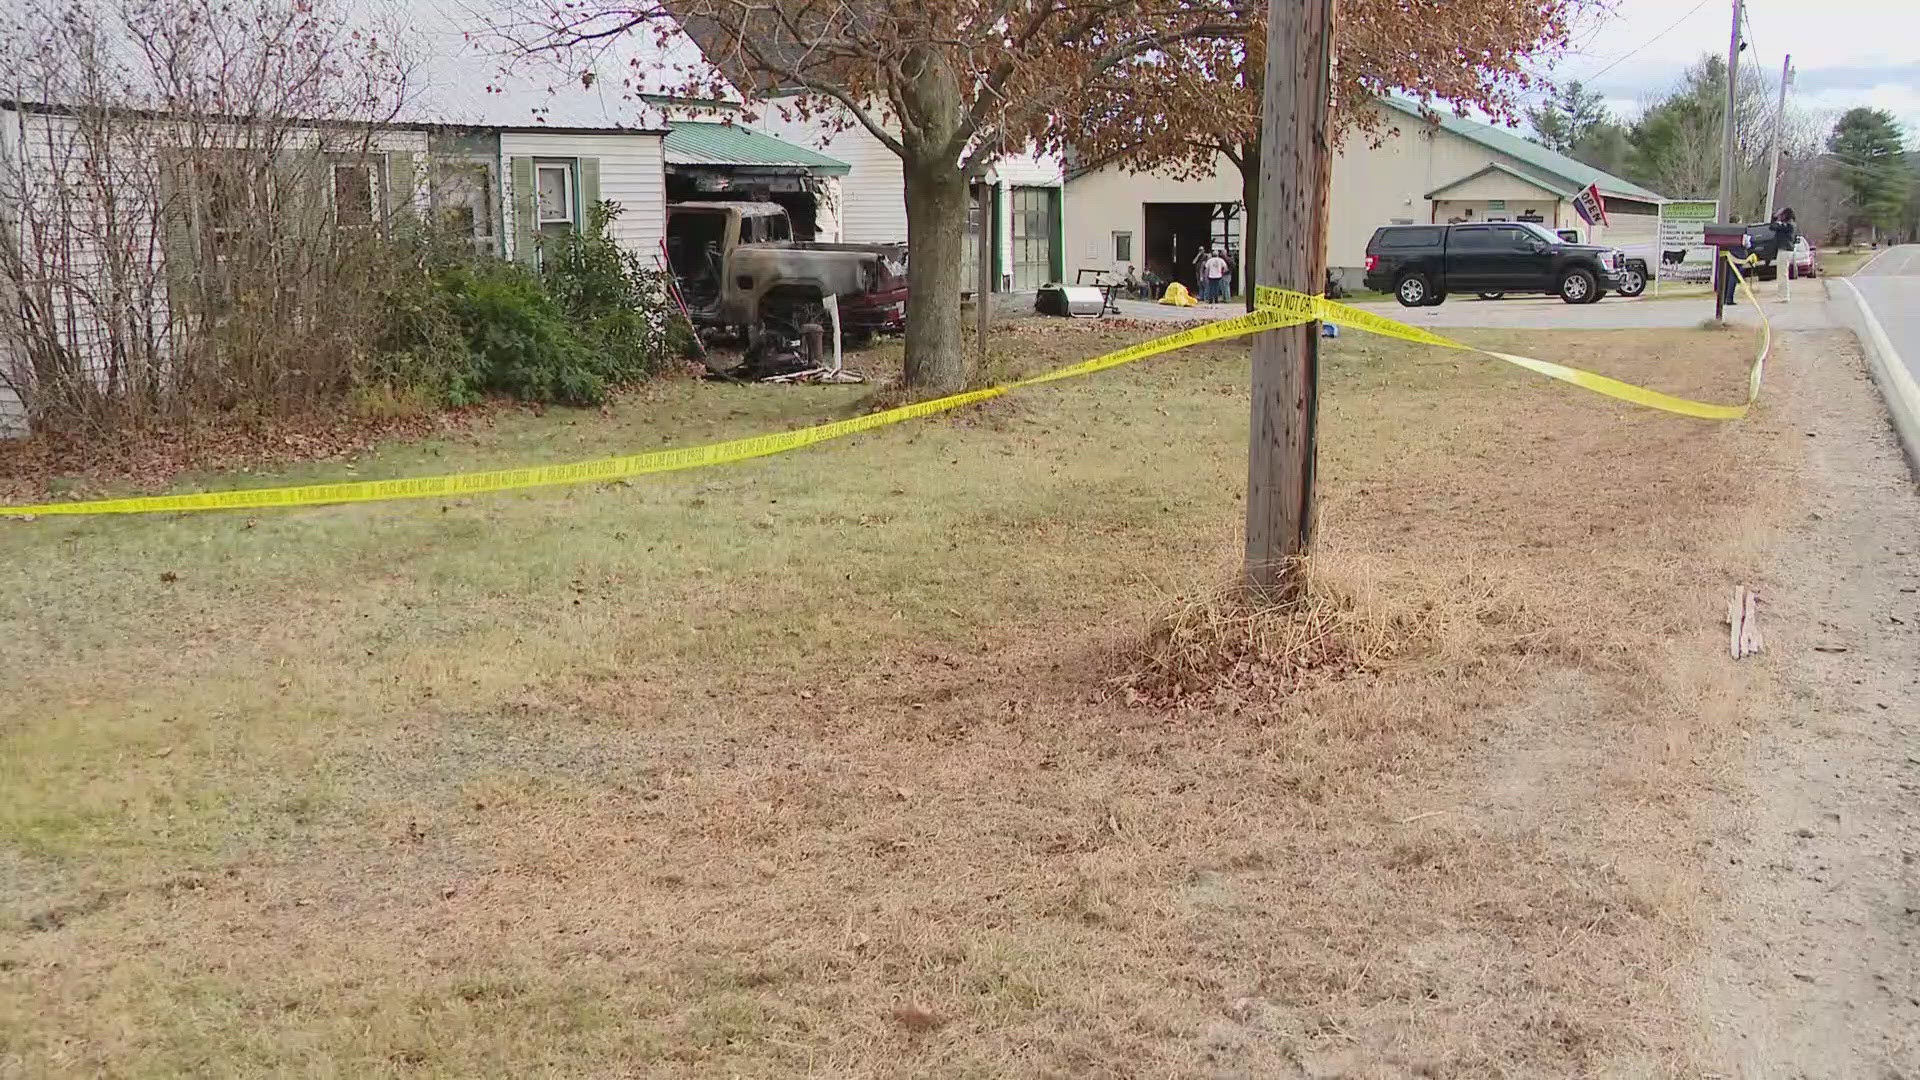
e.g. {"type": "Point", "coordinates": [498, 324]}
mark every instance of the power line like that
{"type": "Point", "coordinates": [1649, 41]}
{"type": "Point", "coordinates": [1746, 19]}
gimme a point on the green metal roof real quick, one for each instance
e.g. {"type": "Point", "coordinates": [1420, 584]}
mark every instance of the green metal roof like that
{"type": "Point", "coordinates": [1553, 164]}
{"type": "Point", "coordinates": [702, 142]}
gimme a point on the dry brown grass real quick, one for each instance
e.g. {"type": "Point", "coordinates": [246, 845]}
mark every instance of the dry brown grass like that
{"type": "Point", "coordinates": [816, 767]}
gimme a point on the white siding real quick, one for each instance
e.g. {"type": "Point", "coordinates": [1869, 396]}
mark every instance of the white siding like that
{"type": "Point", "coordinates": [1635, 233]}
{"type": "Point", "coordinates": [1553, 213]}
{"type": "Point", "coordinates": [46, 162]}
{"type": "Point", "coordinates": [873, 194]}
{"type": "Point", "coordinates": [1105, 201]}
{"type": "Point", "coordinates": [632, 173]}
{"type": "Point", "coordinates": [37, 150]}
{"type": "Point", "coordinates": [13, 415]}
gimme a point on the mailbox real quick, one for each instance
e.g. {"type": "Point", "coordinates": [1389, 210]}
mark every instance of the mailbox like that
{"type": "Point", "coordinates": [1727, 237]}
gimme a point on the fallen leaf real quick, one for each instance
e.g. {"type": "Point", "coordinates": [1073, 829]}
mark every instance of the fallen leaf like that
{"type": "Point", "coordinates": [168, 577]}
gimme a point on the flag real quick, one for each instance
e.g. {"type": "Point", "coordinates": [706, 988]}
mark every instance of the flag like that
{"type": "Point", "coordinates": [1590, 206]}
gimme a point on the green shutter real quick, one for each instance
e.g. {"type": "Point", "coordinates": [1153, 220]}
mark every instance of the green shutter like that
{"type": "Point", "coordinates": [403, 186]}
{"type": "Point", "coordinates": [525, 230]}
{"type": "Point", "coordinates": [177, 212]}
{"type": "Point", "coordinates": [588, 169]}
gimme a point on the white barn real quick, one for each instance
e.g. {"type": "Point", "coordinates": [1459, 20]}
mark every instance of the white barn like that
{"type": "Point", "coordinates": [1422, 171]}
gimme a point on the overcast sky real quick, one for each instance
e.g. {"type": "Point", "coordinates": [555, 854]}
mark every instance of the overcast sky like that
{"type": "Point", "coordinates": [1847, 52]}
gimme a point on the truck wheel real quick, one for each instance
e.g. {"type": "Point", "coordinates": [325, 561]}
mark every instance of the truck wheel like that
{"type": "Point", "coordinates": [785, 311]}
{"type": "Point", "coordinates": [1493, 296]}
{"type": "Point", "coordinates": [1413, 291]}
{"type": "Point", "coordinates": [1578, 287]}
{"type": "Point", "coordinates": [1633, 284]}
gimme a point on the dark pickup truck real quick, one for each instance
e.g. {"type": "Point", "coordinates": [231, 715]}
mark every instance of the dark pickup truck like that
{"type": "Point", "coordinates": [1422, 264]}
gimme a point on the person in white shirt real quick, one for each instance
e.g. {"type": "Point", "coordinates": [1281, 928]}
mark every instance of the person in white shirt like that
{"type": "Point", "coordinates": [1216, 280]}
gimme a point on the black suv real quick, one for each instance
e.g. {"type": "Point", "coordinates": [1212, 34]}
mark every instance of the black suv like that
{"type": "Point", "coordinates": [1421, 264]}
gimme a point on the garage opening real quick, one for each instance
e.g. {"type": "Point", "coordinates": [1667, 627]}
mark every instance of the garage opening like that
{"type": "Point", "coordinates": [1177, 232]}
{"type": "Point", "coordinates": [796, 193]}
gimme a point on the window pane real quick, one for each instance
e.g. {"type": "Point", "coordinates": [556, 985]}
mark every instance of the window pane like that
{"type": "Point", "coordinates": [555, 205]}
{"type": "Point", "coordinates": [1123, 247]}
{"type": "Point", "coordinates": [1474, 239]}
{"type": "Point", "coordinates": [352, 195]}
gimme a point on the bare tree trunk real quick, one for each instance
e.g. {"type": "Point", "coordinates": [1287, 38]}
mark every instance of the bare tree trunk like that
{"type": "Point", "coordinates": [936, 233]}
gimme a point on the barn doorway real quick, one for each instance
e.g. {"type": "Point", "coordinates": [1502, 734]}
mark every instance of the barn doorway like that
{"type": "Point", "coordinates": [1176, 233]}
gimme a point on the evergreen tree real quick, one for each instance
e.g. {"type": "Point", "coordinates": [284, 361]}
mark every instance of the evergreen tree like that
{"type": "Point", "coordinates": [1870, 159]}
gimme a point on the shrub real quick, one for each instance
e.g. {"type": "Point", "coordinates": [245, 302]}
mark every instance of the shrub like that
{"type": "Point", "coordinates": [593, 319]}
{"type": "Point", "coordinates": [618, 303]}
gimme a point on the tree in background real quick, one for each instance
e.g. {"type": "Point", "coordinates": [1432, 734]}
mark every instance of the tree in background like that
{"type": "Point", "coordinates": [1868, 153]}
{"type": "Point", "coordinates": [947, 87]}
{"type": "Point", "coordinates": [1910, 215]}
{"type": "Point", "coordinates": [1568, 117]}
{"type": "Point", "coordinates": [1177, 110]}
{"type": "Point", "coordinates": [1606, 147]}
{"type": "Point", "coordinates": [1576, 121]}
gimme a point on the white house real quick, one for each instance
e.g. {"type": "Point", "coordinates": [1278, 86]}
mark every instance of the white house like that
{"type": "Point", "coordinates": [503, 161]}
{"type": "Point", "coordinates": [1422, 171]}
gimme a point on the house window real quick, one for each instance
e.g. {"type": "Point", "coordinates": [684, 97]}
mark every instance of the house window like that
{"type": "Point", "coordinates": [239, 208]}
{"type": "Point", "coordinates": [353, 196]}
{"type": "Point", "coordinates": [464, 201]}
{"type": "Point", "coordinates": [1123, 247]}
{"type": "Point", "coordinates": [553, 196]}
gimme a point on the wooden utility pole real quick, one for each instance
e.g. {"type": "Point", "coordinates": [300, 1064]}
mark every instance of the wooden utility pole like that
{"type": "Point", "coordinates": [1295, 169]}
{"type": "Point", "coordinates": [1726, 164]}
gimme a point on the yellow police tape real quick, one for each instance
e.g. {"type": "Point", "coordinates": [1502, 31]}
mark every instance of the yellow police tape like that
{"type": "Point", "coordinates": [1319, 307]}
{"type": "Point", "coordinates": [1276, 308]}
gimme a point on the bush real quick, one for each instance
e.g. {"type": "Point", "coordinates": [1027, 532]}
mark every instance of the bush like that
{"type": "Point", "coordinates": [617, 302]}
{"type": "Point", "coordinates": [592, 320]}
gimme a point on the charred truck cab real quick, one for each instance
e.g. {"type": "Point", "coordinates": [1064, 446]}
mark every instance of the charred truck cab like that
{"type": "Point", "coordinates": [739, 268]}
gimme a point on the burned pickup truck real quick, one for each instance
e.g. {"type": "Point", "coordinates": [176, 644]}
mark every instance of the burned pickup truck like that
{"type": "Point", "coordinates": [739, 269]}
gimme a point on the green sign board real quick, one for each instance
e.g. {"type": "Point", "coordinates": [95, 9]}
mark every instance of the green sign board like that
{"type": "Point", "coordinates": [1684, 254]}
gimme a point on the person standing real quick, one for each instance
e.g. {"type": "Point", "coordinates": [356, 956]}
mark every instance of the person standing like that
{"type": "Point", "coordinates": [1216, 271]}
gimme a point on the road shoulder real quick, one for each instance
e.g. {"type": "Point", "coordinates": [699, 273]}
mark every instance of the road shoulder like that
{"type": "Point", "coordinates": [1814, 959]}
{"type": "Point", "coordinates": [1897, 386]}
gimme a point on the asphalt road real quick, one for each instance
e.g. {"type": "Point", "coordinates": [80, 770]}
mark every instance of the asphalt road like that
{"type": "Point", "coordinates": [1890, 284]}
